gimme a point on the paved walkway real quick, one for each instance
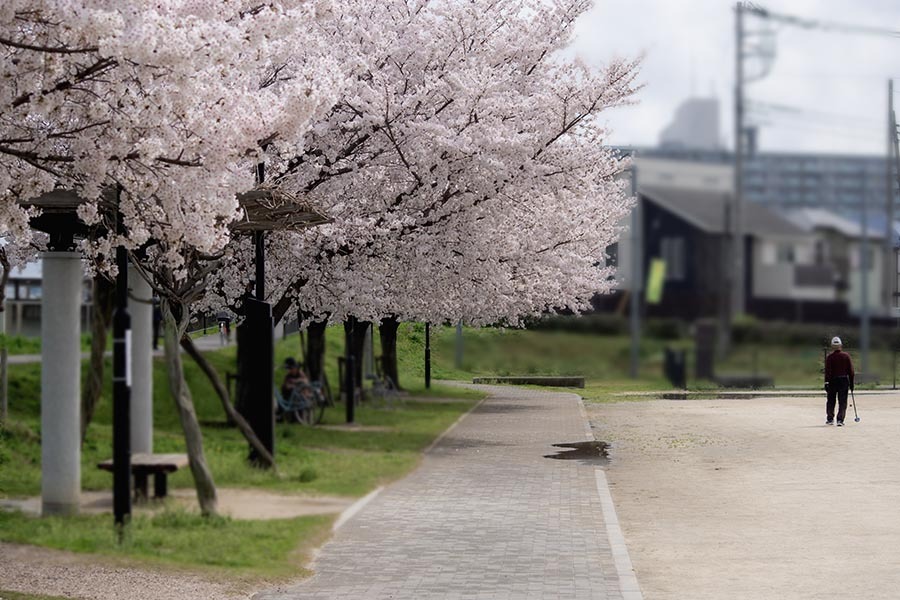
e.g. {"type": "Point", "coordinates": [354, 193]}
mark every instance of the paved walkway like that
{"type": "Point", "coordinates": [485, 516]}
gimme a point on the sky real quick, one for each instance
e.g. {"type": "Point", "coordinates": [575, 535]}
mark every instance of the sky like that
{"type": "Point", "coordinates": [837, 80]}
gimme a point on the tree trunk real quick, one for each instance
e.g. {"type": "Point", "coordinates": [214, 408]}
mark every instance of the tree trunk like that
{"type": "Point", "coordinates": [265, 459]}
{"type": "Point", "coordinates": [387, 331]}
{"type": "Point", "coordinates": [315, 350]}
{"type": "Point", "coordinates": [175, 319]}
{"type": "Point", "coordinates": [356, 331]}
{"type": "Point", "coordinates": [104, 300]}
{"type": "Point", "coordinates": [4, 351]}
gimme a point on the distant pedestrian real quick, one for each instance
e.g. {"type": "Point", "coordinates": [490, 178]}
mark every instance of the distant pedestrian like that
{"type": "Point", "coordinates": [224, 327]}
{"type": "Point", "coordinates": [838, 381]}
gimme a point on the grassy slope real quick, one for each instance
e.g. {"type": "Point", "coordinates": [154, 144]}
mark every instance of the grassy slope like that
{"type": "Point", "coordinates": [605, 360]}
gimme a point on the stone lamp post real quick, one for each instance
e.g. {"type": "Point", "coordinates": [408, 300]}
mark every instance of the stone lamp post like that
{"type": "Point", "coordinates": [61, 298]}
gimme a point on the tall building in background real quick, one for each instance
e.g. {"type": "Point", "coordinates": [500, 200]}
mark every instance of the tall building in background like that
{"type": "Point", "coordinates": [810, 270]}
{"type": "Point", "coordinates": [840, 182]}
{"type": "Point", "coordinates": [694, 127]}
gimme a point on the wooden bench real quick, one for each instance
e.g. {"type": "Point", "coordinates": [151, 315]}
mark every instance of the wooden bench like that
{"type": "Point", "coordinates": [550, 380]}
{"type": "Point", "coordinates": [143, 465]}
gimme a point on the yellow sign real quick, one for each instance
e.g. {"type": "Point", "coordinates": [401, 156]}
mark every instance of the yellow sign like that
{"type": "Point", "coordinates": [655, 278]}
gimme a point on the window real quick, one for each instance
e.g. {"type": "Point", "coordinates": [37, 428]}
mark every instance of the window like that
{"type": "Point", "coordinates": [612, 255]}
{"type": "Point", "coordinates": [857, 263]}
{"type": "Point", "coordinates": [821, 252]}
{"type": "Point", "coordinates": [672, 251]}
{"type": "Point", "coordinates": [784, 254]}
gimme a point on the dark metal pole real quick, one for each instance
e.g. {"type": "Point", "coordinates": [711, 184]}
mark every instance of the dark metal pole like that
{"type": "Point", "coordinates": [737, 284]}
{"type": "Point", "coordinates": [121, 388]}
{"type": "Point", "coordinates": [889, 266]}
{"type": "Point", "coordinates": [259, 240]}
{"type": "Point", "coordinates": [459, 345]}
{"type": "Point", "coordinates": [637, 261]}
{"type": "Point", "coordinates": [349, 379]}
{"type": "Point", "coordinates": [427, 356]}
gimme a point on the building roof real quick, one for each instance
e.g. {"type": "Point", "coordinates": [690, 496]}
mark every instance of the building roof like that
{"type": "Point", "coordinates": [810, 219]}
{"type": "Point", "coordinates": [706, 211]}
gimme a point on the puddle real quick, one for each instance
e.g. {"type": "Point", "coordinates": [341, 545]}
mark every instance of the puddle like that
{"type": "Point", "coordinates": [589, 453]}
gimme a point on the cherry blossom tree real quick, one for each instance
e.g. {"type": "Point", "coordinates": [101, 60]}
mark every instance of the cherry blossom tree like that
{"type": "Point", "coordinates": [172, 103]}
{"type": "Point", "coordinates": [463, 168]}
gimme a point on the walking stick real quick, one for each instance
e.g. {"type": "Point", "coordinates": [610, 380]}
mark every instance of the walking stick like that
{"type": "Point", "coordinates": [856, 414]}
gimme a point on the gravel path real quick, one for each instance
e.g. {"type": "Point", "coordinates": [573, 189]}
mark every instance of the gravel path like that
{"type": "Point", "coordinates": [30, 569]}
{"type": "Point", "coordinates": [757, 499]}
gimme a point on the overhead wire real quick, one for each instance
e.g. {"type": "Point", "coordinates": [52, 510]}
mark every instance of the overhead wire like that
{"type": "Point", "coordinates": [820, 24]}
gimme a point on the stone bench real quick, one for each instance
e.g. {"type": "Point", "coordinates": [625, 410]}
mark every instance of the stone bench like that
{"type": "Point", "coordinates": [143, 465]}
{"type": "Point", "coordinates": [551, 381]}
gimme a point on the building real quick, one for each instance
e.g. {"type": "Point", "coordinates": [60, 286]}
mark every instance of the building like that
{"type": "Point", "coordinates": [688, 230]}
{"type": "Point", "coordinates": [840, 244]}
{"type": "Point", "coordinates": [23, 301]}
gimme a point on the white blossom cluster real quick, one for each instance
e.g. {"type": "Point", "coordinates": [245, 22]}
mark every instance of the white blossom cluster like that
{"type": "Point", "coordinates": [463, 168]}
{"type": "Point", "coordinates": [173, 100]}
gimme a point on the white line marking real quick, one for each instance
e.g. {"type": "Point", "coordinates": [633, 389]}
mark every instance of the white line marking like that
{"type": "Point", "coordinates": [628, 582]}
{"type": "Point", "coordinates": [355, 508]}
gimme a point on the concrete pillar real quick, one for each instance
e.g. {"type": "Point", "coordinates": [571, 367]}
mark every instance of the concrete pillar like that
{"type": "Point", "coordinates": [140, 307]}
{"type": "Point", "coordinates": [61, 383]}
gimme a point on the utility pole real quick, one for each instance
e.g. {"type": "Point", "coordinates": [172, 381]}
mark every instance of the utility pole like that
{"type": "Point", "coordinates": [890, 264]}
{"type": "Point", "coordinates": [737, 280]}
{"type": "Point", "coordinates": [865, 264]}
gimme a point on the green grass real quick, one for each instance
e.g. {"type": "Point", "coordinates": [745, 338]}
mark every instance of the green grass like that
{"type": "Point", "coordinates": [18, 344]}
{"type": "Point", "coordinates": [323, 461]}
{"type": "Point", "coordinates": [310, 460]}
{"type": "Point", "coordinates": [174, 537]}
{"type": "Point", "coordinates": [605, 360]}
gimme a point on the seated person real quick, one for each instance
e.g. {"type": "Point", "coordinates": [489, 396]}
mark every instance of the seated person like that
{"type": "Point", "coordinates": [293, 378]}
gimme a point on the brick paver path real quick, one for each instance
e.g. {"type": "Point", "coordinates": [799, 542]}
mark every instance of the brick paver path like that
{"type": "Point", "coordinates": [484, 516]}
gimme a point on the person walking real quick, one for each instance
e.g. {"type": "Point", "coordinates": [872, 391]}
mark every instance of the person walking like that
{"type": "Point", "coordinates": [838, 381]}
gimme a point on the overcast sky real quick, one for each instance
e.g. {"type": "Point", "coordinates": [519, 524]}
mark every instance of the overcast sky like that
{"type": "Point", "coordinates": [839, 80]}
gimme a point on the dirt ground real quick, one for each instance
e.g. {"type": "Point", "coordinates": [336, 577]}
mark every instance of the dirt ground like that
{"type": "Point", "coordinates": [756, 499]}
{"type": "Point", "coordinates": [236, 503]}
{"type": "Point", "coordinates": [29, 568]}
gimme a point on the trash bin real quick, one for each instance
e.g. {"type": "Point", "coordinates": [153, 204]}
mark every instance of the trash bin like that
{"type": "Point", "coordinates": [674, 368]}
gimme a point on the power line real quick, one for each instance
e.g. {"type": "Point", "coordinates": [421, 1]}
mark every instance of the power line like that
{"type": "Point", "coordinates": [787, 109]}
{"type": "Point", "coordinates": [807, 23]}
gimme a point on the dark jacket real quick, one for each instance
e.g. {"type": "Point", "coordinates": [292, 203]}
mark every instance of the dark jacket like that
{"type": "Point", "coordinates": [838, 368]}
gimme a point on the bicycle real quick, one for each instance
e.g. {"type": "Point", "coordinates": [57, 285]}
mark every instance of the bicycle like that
{"type": "Point", "coordinates": [383, 387]}
{"type": "Point", "coordinates": [306, 404]}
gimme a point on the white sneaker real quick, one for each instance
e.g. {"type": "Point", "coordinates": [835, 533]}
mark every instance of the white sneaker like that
{"type": "Point", "coordinates": [840, 423]}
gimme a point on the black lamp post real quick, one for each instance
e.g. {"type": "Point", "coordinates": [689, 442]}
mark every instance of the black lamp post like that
{"type": "Point", "coordinates": [427, 355]}
{"type": "Point", "coordinates": [121, 384]}
{"type": "Point", "coordinates": [265, 210]}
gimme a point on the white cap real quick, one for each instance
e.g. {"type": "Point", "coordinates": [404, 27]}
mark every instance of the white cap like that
{"type": "Point", "coordinates": [836, 341]}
